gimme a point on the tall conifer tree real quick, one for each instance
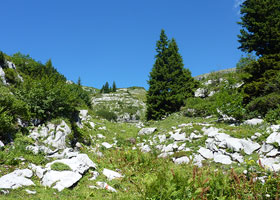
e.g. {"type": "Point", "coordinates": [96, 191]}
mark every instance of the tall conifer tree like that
{"type": "Point", "coordinates": [168, 80]}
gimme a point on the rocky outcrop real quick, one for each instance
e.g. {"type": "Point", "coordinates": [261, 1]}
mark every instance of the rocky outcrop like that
{"type": "Point", "coordinates": [16, 179]}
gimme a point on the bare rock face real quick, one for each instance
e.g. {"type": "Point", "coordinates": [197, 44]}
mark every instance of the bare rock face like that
{"type": "Point", "coordinates": [16, 179]}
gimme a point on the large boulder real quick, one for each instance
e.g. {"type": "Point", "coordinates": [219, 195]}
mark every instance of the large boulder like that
{"type": "Point", "coordinates": [80, 164]}
{"type": "Point", "coordinates": [110, 174]}
{"type": "Point", "coordinates": [16, 179]}
{"type": "Point", "coordinates": [61, 179]}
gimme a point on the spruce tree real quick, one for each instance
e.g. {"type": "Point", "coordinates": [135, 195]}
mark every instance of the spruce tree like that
{"type": "Point", "coordinates": [106, 88]}
{"type": "Point", "coordinates": [260, 23]}
{"type": "Point", "coordinates": [168, 80]}
{"type": "Point", "coordinates": [114, 87]}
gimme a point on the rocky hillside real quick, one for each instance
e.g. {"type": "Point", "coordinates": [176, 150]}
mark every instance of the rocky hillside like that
{"type": "Point", "coordinates": [91, 152]}
{"type": "Point", "coordinates": [127, 104]}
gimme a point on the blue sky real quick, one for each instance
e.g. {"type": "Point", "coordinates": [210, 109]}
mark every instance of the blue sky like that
{"type": "Point", "coordinates": [114, 40]}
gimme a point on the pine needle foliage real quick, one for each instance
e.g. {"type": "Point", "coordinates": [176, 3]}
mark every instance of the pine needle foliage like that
{"type": "Point", "coordinates": [170, 84]}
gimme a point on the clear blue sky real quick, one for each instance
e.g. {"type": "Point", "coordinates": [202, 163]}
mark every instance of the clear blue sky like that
{"type": "Point", "coordinates": [106, 40]}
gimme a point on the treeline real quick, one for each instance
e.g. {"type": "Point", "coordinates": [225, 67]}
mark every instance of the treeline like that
{"type": "Point", "coordinates": [107, 89]}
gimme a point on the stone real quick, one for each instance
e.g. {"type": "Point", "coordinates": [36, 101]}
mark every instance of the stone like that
{"type": "Point", "coordinates": [237, 157]}
{"type": "Point", "coordinates": [194, 136]}
{"type": "Point", "coordinates": [270, 163]}
{"type": "Point", "coordinates": [182, 160]}
{"type": "Point", "coordinates": [11, 65]}
{"type": "Point", "coordinates": [147, 131]}
{"type": "Point", "coordinates": [105, 186]}
{"type": "Point", "coordinates": [170, 147]}
{"type": "Point", "coordinates": [223, 159]}
{"type": "Point", "coordinates": [95, 174]}
{"type": "Point", "coordinates": [249, 146]}
{"type": "Point", "coordinates": [79, 164]}
{"type": "Point", "coordinates": [177, 136]}
{"type": "Point", "coordinates": [200, 92]}
{"type": "Point", "coordinates": [162, 138]}
{"type": "Point", "coordinates": [206, 153]}
{"type": "Point", "coordinates": [273, 153]}
{"type": "Point", "coordinates": [79, 145]}
{"type": "Point", "coordinates": [197, 160]}
{"type": "Point", "coordinates": [39, 171]}
{"type": "Point", "coordinates": [30, 191]}
{"type": "Point", "coordinates": [92, 124]}
{"type": "Point", "coordinates": [16, 179]}
{"type": "Point", "coordinates": [266, 148]}
{"type": "Point", "coordinates": [83, 115]}
{"type": "Point", "coordinates": [254, 121]}
{"type": "Point", "coordinates": [2, 76]}
{"type": "Point", "coordinates": [273, 138]}
{"type": "Point", "coordinates": [165, 154]}
{"type": "Point", "coordinates": [60, 179]}
{"type": "Point", "coordinates": [146, 148]}
{"type": "Point", "coordinates": [57, 138]}
{"type": "Point", "coordinates": [66, 153]}
{"type": "Point", "coordinates": [100, 136]}
{"type": "Point", "coordinates": [110, 174]}
{"type": "Point", "coordinates": [38, 149]}
{"type": "Point", "coordinates": [107, 145]}
{"type": "Point", "coordinates": [1, 144]}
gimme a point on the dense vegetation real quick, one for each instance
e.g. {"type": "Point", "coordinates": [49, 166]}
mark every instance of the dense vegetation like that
{"type": "Point", "coordinates": [41, 96]}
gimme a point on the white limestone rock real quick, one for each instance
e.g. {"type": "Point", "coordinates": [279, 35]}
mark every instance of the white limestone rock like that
{"type": "Point", "coordinates": [146, 148]}
{"type": "Point", "coordinates": [38, 149]}
{"type": "Point", "coordinates": [16, 179]}
{"type": "Point", "coordinates": [237, 157]}
{"type": "Point", "coordinates": [95, 174]}
{"type": "Point", "coordinates": [273, 138]}
{"type": "Point", "coordinates": [200, 92]}
{"type": "Point", "coordinates": [2, 76]}
{"type": "Point", "coordinates": [57, 138]}
{"type": "Point", "coordinates": [110, 174]}
{"type": "Point", "coordinates": [223, 159]}
{"type": "Point", "coordinates": [107, 145]}
{"type": "Point", "coordinates": [79, 164]}
{"type": "Point", "coordinates": [182, 160]}
{"type": "Point", "coordinates": [147, 131]}
{"type": "Point", "coordinates": [177, 136]}
{"type": "Point", "coordinates": [266, 148]}
{"type": "Point", "coordinates": [39, 171]}
{"type": "Point", "coordinates": [254, 121]}
{"type": "Point", "coordinates": [197, 160]}
{"type": "Point", "coordinates": [61, 179]}
{"type": "Point", "coordinates": [30, 191]}
{"type": "Point", "coordinates": [273, 153]}
{"type": "Point", "coordinates": [1, 144]}
{"type": "Point", "coordinates": [206, 153]}
{"type": "Point", "coordinates": [249, 146]}
{"type": "Point", "coordinates": [103, 185]}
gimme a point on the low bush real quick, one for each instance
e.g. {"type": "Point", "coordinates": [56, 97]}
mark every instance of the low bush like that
{"type": "Point", "coordinates": [110, 116]}
{"type": "Point", "coordinates": [59, 166]}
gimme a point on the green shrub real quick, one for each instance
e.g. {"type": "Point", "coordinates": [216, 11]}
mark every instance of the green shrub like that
{"type": "Point", "coordinates": [262, 105]}
{"type": "Point", "coordinates": [273, 115]}
{"type": "Point", "coordinates": [197, 107]}
{"type": "Point", "coordinates": [230, 103]}
{"type": "Point", "coordinates": [110, 116]}
{"type": "Point", "coordinates": [59, 166]}
{"type": "Point", "coordinates": [11, 76]}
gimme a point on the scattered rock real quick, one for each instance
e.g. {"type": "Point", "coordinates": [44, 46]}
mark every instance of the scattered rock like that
{"type": "Point", "coordinates": [107, 145]}
{"type": "Point", "coordinates": [39, 171]}
{"type": "Point", "coordinates": [146, 131]}
{"type": "Point", "coordinates": [253, 122]}
{"type": "Point", "coordinates": [182, 160]}
{"type": "Point", "coordinates": [220, 158]}
{"type": "Point", "coordinates": [103, 185]}
{"type": "Point", "coordinates": [110, 174]}
{"type": "Point", "coordinates": [60, 179]}
{"type": "Point", "coordinates": [1, 144]}
{"type": "Point", "coordinates": [95, 174]}
{"type": "Point", "coordinates": [206, 153]}
{"type": "Point", "coordinates": [30, 191]}
{"type": "Point", "coordinates": [273, 138]}
{"type": "Point", "coordinates": [200, 92]}
{"type": "Point", "coordinates": [16, 179]}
